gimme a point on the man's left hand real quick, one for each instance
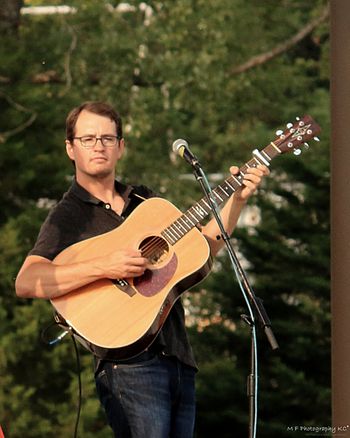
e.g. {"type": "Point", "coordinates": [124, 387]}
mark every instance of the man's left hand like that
{"type": "Point", "coordinates": [251, 181]}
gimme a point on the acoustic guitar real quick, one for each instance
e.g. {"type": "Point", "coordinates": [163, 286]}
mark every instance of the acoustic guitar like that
{"type": "Point", "coordinates": [125, 315]}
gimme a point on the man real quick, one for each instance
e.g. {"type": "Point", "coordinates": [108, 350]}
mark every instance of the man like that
{"type": "Point", "coordinates": [152, 394]}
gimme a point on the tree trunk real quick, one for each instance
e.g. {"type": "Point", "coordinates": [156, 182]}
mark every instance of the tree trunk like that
{"type": "Point", "coordinates": [9, 15]}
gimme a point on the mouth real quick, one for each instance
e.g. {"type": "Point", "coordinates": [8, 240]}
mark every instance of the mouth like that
{"type": "Point", "coordinates": [99, 159]}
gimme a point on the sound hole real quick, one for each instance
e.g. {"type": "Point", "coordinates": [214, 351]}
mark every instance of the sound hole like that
{"type": "Point", "coordinates": [155, 249]}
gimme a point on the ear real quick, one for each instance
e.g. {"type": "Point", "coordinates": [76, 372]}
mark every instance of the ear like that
{"type": "Point", "coordinates": [70, 150]}
{"type": "Point", "coordinates": [121, 148]}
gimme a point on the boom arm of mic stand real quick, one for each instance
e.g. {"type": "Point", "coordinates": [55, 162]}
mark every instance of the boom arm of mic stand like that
{"type": "Point", "coordinates": [256, 302]}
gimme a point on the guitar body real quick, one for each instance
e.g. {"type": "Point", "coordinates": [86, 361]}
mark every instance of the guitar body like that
{"type": "Point", "coordinates": [125, 316]}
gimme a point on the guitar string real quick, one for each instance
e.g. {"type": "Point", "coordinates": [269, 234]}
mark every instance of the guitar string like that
{"type": "Point", "coordinates": [151, 252]}
{"type": "Point", "coordinates": [153, 247]}
{"type": "Point", "coordinates": [156, 240]}
{"type": "Point", "coordinates": [156, 243]}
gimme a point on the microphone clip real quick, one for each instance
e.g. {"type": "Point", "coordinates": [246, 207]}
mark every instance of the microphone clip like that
{"type": "Point", "coordinates": [181, 147]}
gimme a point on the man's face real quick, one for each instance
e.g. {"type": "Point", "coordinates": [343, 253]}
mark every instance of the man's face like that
{"type": "Point", "coordinates": [98, 161]}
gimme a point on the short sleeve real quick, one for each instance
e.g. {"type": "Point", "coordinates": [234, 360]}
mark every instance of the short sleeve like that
{"type": "Point", "coordinates": [56, 233]}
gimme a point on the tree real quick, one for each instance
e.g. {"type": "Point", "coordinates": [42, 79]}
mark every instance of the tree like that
{"type": "Point", "coordinates": [9, 15]}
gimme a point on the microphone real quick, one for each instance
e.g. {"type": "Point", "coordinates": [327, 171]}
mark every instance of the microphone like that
{"type": "Point", "coordinates": [181, 148]}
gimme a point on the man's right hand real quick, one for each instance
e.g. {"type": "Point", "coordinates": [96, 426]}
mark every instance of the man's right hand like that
{"type": "Point", "coordinates": [123, 264]}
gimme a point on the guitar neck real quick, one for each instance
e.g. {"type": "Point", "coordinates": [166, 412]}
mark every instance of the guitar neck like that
{"type": "Point", "coordinates": [194, 215]}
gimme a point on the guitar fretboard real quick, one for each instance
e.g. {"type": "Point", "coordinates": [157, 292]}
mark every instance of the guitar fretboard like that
{"type": "Point", "coordinates": [194, 215]}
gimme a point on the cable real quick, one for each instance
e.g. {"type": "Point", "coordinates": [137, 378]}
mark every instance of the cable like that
{"type": "Point", "coordinates": [79, 385]}
{"type": "Point", "coordinates": [54, 341]}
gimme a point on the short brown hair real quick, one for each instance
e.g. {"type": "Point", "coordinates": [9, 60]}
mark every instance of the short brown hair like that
{"type": "Point", "coordinates": [100, 108]}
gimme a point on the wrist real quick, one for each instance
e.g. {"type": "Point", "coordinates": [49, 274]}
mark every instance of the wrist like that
{"type": "Point", "coordinates": [95, 269]}
{"type": "Point", "coordinates": [239, 200]}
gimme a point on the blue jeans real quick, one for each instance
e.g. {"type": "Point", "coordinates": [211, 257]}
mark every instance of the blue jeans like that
{"type": "Point", "coordinates": [150, 396]}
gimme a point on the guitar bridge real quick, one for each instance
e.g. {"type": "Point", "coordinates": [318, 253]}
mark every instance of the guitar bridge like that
{"type": "Point", "coordinates": [124, 286]}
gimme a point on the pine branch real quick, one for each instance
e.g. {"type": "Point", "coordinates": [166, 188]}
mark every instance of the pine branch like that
{"type": "Point", "coordinates": [67, 62]}
{"type": "Point", "coordinates": [286, 45]}
{"type": "Point", "coordinates": [33, 115]}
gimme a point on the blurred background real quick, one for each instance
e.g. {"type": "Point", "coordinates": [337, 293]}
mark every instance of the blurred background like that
{"type": "Point", "coordinates": [224, 75]}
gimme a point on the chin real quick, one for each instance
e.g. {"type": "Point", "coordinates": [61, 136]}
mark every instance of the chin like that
{"type": "Point", "coordinates": [102, 173]}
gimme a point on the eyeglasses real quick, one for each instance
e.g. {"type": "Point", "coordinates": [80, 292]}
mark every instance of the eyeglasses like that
{"type": "Point", "coordinates": [89, 141]}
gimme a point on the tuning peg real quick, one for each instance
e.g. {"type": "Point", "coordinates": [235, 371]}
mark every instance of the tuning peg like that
{"type": "Point", "coordinates": [279, 132]}
{"type": "Point", "coordinates": [297, 118]}
{"type": "Point", "coordinates": [306, 145]}
{"type": "Point", "coordinates": [289, 125]}
{"type": "Point", "coordinates": [316, 139]}
{"type": "Point", "coordinates": [297, 151]}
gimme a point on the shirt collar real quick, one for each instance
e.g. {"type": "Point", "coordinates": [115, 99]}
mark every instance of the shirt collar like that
{"type": "Point", "coordinates": [124, 190]}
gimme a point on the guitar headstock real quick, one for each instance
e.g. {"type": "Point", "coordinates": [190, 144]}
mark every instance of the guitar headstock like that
{"type": "Point", "coordinates": [297, 134]}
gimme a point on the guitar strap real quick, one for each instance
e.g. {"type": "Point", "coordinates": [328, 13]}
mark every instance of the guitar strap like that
{"type": "Point", "coordinates": [138, 196]}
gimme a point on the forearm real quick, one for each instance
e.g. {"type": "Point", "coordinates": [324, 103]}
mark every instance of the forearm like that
{"type": "Point", "coordinates": [232, 210]}
{"type": "Point", "coordinates": [41, 278]}
{"type": "Point", "coordinates": [229, 216]}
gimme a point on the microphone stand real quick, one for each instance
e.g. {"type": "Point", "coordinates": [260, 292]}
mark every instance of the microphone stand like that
{"type": "Point", "coordinates": [254, 304]}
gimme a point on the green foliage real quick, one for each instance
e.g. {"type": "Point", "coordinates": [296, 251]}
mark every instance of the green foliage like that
{"type": "Point", "coordinates": [171, 74]}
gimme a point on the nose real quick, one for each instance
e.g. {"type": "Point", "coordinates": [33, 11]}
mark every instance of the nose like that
{"type": "Point", "coordinates": [99, 144]}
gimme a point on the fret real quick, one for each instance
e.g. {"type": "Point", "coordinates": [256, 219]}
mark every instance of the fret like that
{"type": "Point", "coordinates": [191, 224]}
{"type": "Point", "coordinates": [175, 225]}
{"type": "Point", "coordinates": [277, 149]}
{"type": "Point", "coordinates": [272, 150]}
{"type": "Point", "coordinates": [225, 193]}
{"type": "Point", "coordinates": [200, 211]}
{"type": "Point", "coordinates": [172, 227]}
{"type": "Point", "coordinates": [237, 181]}
{"type": "Point", "coordinates": [187, 221]}
{"type": "Point", "coordinates": [180, 224]}
{"type": "Point", "coordinates": [252, 162]}
{"type": "Point", "coordinates": [265, 155]}
{"type": "Point", "coordinates": [173, 236]}
{"type": "Point", "coordinates": [256, 161]}
{"type": "Point", "coordinates": [217, 195]}
{"type": "Point", "coordinates": [231, 187]}
{"type": "Point", "coordinates": [227, 190]}
{"type": "Point", "coordinates": [183, 220]}
{"type": "Point", "coordinates": [168, 238]}
{"type": "Point", "coordinates": [193, 217]}
{"type": "Point", "coordinates": [205, 202]}
{"type": "Point", "coordinates": [204, 207]}
{"type": "Point", "coordinates": [194, 213]}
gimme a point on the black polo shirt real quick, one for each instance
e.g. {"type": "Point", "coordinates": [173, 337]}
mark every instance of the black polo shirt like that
{"type": "Point", "coordinates": [79, 216]}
